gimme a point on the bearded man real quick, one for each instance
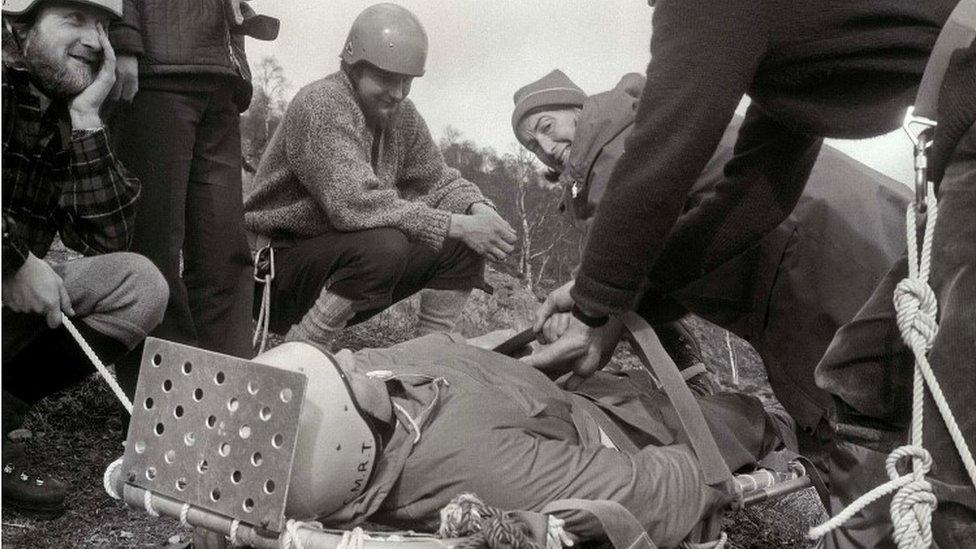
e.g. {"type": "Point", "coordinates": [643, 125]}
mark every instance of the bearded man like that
{"type": "Point", "coordinates": [61, 178]}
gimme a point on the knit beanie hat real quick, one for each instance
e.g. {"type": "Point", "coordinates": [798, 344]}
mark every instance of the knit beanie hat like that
{"type": "Point", "coordinates": [552, 89]}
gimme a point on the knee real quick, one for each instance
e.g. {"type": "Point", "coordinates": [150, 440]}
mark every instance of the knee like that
{"type": "Point", "coordinates": [382, 250]}
{"type": "Point", "coordinates": [150, 289]}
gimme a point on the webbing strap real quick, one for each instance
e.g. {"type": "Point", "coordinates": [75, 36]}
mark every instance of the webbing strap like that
{"type": "Point", "coordinates": [620, 525]}
{"type": "Point", "coordinates": [958, 32]}
{"type": "Point", "coordinates": [652, 353]}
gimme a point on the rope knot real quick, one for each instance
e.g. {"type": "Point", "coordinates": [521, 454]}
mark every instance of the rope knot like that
{"type": "Point", "coordinates": [912, 505]}
{"type": "Point", "coordinates": [467, 515]}
{"type": "Point", "coordinates": [916, 309]}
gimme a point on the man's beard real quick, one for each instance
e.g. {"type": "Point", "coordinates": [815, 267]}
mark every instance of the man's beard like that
{"type": "Point", "coordinates": [53, 73]}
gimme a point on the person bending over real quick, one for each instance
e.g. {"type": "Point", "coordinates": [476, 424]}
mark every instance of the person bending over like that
{"type": "Point", "coordinates": [797, 280]}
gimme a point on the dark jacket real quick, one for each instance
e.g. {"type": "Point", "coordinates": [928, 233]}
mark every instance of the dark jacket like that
{"type": "Point", "coordinates": [790, 293]}
{"type": "Point", "coordinates": [813, 69]}
{"type": "Point", "coordinates": [176, 39]}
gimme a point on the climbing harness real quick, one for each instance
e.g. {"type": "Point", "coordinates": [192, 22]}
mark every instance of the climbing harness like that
{"type": "Point", "coordinates": [916, 315]}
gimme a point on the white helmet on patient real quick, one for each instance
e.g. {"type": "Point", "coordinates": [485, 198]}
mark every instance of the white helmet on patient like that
{"type": "Point", "coordinates": [337, 447]}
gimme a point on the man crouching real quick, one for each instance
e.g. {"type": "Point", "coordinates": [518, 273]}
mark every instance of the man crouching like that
{"type": "Point", "coordinates": [60, 177]}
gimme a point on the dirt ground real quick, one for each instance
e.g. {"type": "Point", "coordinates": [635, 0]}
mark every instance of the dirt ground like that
{"type": "Point", "coordinates": [77, 435]}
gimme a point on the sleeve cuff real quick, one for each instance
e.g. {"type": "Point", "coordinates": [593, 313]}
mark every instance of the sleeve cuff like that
{"type": "Point", "coordinates": [90, 152]}
{"type": "Point", "coordinates": [462, 198]}
{"type": "Point", "coordinates": [432, 227]}
{"type": "Point", "coordinates": [599, 299]}
{"type": "Point", "coordinates": [13, 258]}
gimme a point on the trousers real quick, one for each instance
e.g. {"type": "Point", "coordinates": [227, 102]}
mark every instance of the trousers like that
{"type": "Point", "coordinates": [373, 268]}
{"type": "Point", "coordinates": [868, 370]}
{"type": "Point", "coordinates": [185, 147]}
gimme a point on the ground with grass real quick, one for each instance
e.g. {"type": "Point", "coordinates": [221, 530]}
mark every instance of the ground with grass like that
{"type": "Point", "coordinates": [78, 434]}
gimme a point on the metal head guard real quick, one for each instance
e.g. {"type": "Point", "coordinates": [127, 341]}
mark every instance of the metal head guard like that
{"type": "Point", "coordinates": [389, 37]}
{"type": "Point", "coordinates": [21, 7]}
{"type": "Point", "coordinates": [337, 449]}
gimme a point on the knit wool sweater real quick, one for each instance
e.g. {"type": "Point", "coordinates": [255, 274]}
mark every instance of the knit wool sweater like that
{"type": "Point", "coordinates": [813, 68]}
{"type": "Point", "coordinates": [317, 175]}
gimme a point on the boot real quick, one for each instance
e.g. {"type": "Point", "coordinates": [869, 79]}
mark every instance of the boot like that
{"type": "Point", "coordinates": [439, 310]}
{"type": "Point", "coordinates": [683, 347]}
{"type": "Point", "coordinates": [29, 494]}
{"type": "Point", "coordinates": [322, 323]}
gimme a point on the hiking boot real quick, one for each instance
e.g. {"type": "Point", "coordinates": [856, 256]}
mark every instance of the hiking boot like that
{"type": "Point", "coordinates": [30, 495]}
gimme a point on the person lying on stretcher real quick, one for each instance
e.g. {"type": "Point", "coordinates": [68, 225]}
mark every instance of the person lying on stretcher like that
{"type": "Point", "coordinates": [426, 420]}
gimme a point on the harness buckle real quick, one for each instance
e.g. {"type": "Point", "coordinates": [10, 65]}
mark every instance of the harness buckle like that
{"type": "Point", "coordinates": [919, 130]}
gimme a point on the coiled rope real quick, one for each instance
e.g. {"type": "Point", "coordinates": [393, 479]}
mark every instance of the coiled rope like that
{"type": "Point", "coordinates": [917, 310]}
{"type": "Point", "coordinates": [466, 516]}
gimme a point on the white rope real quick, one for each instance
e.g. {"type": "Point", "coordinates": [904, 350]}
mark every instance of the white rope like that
{"type": "Point", "coordinates": [106, 375]}
{"type": "Point", "coordinates": [354, 539]}
{"type": "Point", "coordinates": [916, 313]}
{"type": "Point", "coordinates": [264, 316]}
{"type": "Point", "coordinates": [714, 544]}
{"type": "Point", "coordinates": [184, 514]}
{"type": "Point", "coordinates": [289, 538]}
{"type": "Point", "coordinates": [147, 503]}
{"type": "Point", "coordinates": [107, 478]}
{"type": "Point", "coordinates": [232, 535]}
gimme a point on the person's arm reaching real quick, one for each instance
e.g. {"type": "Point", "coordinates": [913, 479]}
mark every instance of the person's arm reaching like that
{"type": "Point", "coordinates": [704, 57]}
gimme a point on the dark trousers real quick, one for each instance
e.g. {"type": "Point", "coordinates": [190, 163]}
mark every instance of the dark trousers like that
{"type": "Point", "coordinates": [373, 268]}
{"type": "Point", "coordinates": [185, 147]}
{"type": "Point", "coordinates": [869, 371]}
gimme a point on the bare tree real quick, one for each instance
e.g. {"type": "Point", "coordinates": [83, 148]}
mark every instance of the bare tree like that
{"type": "Point", "coordinates": [267, 107]}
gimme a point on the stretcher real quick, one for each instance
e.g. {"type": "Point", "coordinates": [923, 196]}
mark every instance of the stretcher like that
{"type": "Point", "coordinates": [212, 441]}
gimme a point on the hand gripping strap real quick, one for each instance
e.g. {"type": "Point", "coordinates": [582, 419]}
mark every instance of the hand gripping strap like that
{"type": "Point", "coordinates": [654, 357]}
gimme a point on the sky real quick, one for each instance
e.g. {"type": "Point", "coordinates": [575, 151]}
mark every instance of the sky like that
{"type": "Point", "coordinates": [481, 51]}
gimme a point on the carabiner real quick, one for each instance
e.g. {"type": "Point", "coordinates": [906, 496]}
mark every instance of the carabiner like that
{"type": "Point", "coordinates": [919, 130]}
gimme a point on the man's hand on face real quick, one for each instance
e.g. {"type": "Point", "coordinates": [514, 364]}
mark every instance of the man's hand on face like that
{"type": "Point", "coordinates": [85, 106]}
{"type": "Point", "coordinates": [37, 289]}
{"type": "Point", "coordinates": [126, 78]}
{"type": "Point", "coordinates": [485, 232]}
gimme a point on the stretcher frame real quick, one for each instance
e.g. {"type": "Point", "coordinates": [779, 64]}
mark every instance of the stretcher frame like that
{"type": "Point", "coordinates": [263, 525]}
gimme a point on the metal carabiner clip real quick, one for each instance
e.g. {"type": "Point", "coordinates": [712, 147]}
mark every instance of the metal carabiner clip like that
{"type": "Point", "coordinates": [264, 267]}
{"type": "Point", "coordinates": [919, 130]}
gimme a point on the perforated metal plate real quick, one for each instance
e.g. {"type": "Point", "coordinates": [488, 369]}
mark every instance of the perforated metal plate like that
{"type": "Point", "coordinates": [215, 431]}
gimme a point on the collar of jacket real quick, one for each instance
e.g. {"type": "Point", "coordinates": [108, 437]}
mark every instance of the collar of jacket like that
{"type": "Point", "coordinates": [413, 405]}
{"type": "Point", "coordinates": [603, 117]}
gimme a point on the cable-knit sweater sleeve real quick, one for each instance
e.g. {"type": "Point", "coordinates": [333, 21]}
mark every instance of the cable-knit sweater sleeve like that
{"type": "Point", "coordinates": [328, 152]}
{"type": "Point", "coordinates": [425, 176]}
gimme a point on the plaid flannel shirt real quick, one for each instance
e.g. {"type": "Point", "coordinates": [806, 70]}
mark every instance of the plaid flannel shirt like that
{"type": "Point", "coordinates": [58, 181]}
